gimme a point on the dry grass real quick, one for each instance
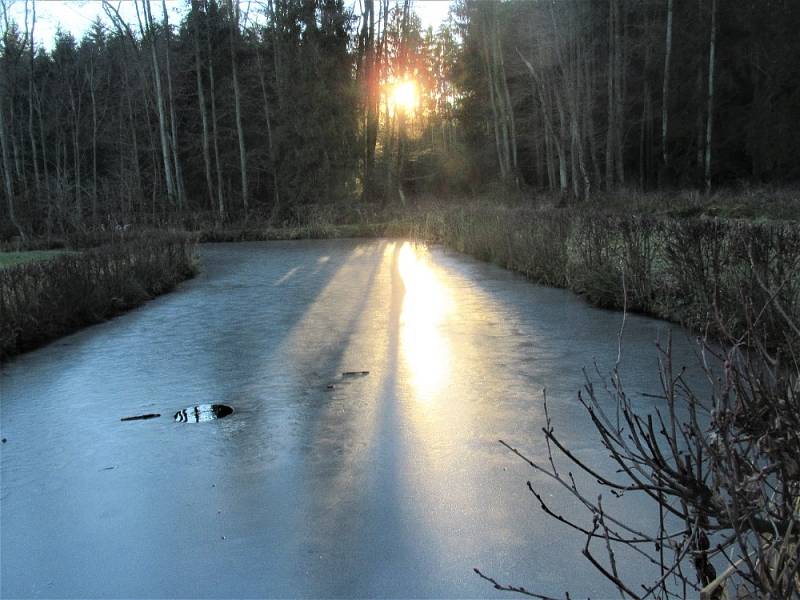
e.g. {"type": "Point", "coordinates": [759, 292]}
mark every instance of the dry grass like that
{"type": "Point", "coordinates": [689, 270]}
{"type": "Point", "coordinates": [42, 300]}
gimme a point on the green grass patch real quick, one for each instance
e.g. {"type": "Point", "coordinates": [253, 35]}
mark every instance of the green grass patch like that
{"type": "Point", "coordinates": [9, 259]}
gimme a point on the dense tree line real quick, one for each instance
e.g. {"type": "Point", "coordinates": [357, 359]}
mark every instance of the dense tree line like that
{"type": "Point", "coordinates": [152, 119]}
{"type": "Point", "coordinates": [262, 109]}
{"type": "Point", "coordinates": [577, 96]}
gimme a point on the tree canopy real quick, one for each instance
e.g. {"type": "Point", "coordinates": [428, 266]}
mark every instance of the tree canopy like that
{"type": "Point", "coordinates": [298, 103]}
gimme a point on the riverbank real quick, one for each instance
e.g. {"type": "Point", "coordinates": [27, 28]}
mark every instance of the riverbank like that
{"type": "Point", "coordinates": [45, 299]}
{"type": "Point", "coordinates": [683, 258]}
{"type": "Point", "coordinates": [727, 275]}
{"type": "Point", "coordinates": [677, 261]}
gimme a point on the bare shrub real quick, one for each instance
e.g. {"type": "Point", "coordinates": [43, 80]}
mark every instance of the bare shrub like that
{"type": "Point", "coordinates": [724, 473]}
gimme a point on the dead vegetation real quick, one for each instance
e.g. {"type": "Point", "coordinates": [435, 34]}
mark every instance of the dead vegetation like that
{"type": "Point", "coordinates": [722, 468]}
{"type": "Point", "coordinates": [694, 271]}
{"type": "Point", "coordinates": [43, 300]}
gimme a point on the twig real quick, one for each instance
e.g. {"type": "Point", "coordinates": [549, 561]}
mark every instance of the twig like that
{"type": "Point", "coordinates": [512, 588]}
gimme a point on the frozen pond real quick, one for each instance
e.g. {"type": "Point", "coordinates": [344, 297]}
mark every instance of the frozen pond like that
{"type": "Point", "coordinates": [386, 483]}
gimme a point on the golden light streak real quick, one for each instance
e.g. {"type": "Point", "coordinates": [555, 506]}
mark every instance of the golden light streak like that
{"type": "Point", "coordinates": [426, 304]}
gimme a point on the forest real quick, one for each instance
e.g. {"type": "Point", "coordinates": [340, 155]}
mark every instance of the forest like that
{"type": "Point", "coordinates": [270, 110]}
{"type": "Point", "coordinates": [644, 154]}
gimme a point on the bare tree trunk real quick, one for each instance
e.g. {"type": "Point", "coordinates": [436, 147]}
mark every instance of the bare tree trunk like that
{"type": "Point", "coordinates": [650, 161]}
{"type": "Point", "coordinates": [571, 83]}
{"type": "Point", "coordinates": [124, 179]}
{"type": "Point", "coordinates": [34, 152]}
{"type": "Point", "coordinates": [502, 107]}
{"type": "Point", "coordinates": [388, 151]}
{"type": "Point", "coordinates": [76, 154]}
{"type": "Point", "coordinates": [388, 128]}
{"type": "Point", "coordinates": [125, 31]}
{"type": "Point", "coordinates": [699, 125]}
{"type": "Point", "coordinates": [494, 101]}
{"type": "Point", "coordinates": [179, 187]}
{"type": "Point", "coordinates": [16, 155]}
{"type": "Point", "coordinates": [612, 128]}
{"type": "Point", "coordinates": [643, 139]}
{"type": "Point", "coordinates": [372, 59]}
{"type": "Point", "coordinates": [590, 87]}
{"type": "Point", "coordinates": [573, 158]}
{"type": "Point", "coordinates": [619, 93]}
{"type": "Point", "coordinates": [93, 95]}
{"type": "Point", "coordinates": [509, 108]}
{"type": "Point", "coordinates": [562, 142]}
{"type": "Point", "coordinates": [162, 122]}
{"type": "Point", "coordinates": [201, 100]}
{"type": "Point", "coordinates": [276, 58]}
{"type": "Point", "coordinates": [42, 140]}
{"type": "Point", "coordinates": [155, 161]}
{"type": "Point", "coordinates": [551, 138]}
{"type": "Point", "coordinates": [710, 120]}
{"type": "Point", "coordinates": [644, 122]}
{"type": "Point", "coordinates": [61, 169]}
{"type": "Point", "coordinates": [541, 157]}
{"type": "Point", "coordinates": [8, 175]}
{"type": "Point", "coordinates": [665, 89]}
{"type": "Point", "coordinates": [551, 163]}
{"type": "Point", "coordinates": [505, 138]}
{"type": "Point", "coordinates": [578, 138]}
{"type": "Point", "coordinates": [270, 144]}
{"type": "Point", "coordinates": [214, 133]}
{"type": "Point", "coordinates": [135, 149]}
{"type": "Point", "coordinates": [401, 115]}
{"type": "Point", "coordinates": [237, 101]}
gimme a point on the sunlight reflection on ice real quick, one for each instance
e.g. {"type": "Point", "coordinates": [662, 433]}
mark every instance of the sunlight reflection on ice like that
{"type": "Point", "coordinates": [288, 275]}
{"type": "Point", "coordinates": [425, 306]}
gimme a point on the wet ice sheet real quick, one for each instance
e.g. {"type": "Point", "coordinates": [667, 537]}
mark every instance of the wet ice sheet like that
{"type": "Point", "coordinates": [388, 483]}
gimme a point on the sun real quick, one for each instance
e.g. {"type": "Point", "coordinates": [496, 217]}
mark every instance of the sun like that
{"type": "Point", "coordinates": [404, 95]}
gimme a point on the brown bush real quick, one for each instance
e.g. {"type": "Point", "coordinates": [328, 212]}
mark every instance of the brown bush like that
{"type": "Point", "coordinates": [44, 300]}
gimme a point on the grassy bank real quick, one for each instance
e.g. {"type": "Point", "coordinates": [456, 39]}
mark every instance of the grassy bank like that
{"type": "Point", "coordinates": [9, 259]}
{"type": "Point", "coordinates": [42, 300]}
{"type": "Point", "coordinates": [683, 258]}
